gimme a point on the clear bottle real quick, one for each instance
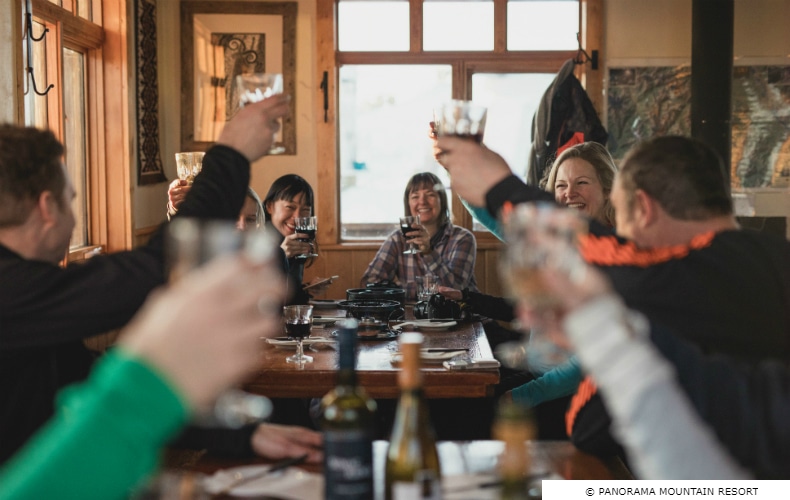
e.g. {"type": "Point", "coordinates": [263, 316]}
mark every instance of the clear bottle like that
{"type": "Point", "coordinates": [412, 468]}
{"type": "Point", "coordinates": [348, 425]}
{"type": "Point", "coordinates": [514, 426]}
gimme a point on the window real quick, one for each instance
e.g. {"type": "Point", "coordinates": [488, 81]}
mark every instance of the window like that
{"type": "Point", "coordinates": [397, 59]}
{"type": "Point", "coordinates": [70, 57]}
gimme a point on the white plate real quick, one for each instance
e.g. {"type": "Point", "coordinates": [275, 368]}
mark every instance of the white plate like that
{"type": "Point", "coordinates": [428, 324]}
{"type": "Point", "coordinates": [323, 304]}
{"type": "Point", "coordinates": [285, 342]}
{"type": "Point", "coordinates": [327, 320]}
{"type": "Point", "coordinates": [290, 483]}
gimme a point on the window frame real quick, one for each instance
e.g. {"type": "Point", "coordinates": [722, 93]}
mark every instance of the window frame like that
{"type": "Point", "coordinates": [464, 64]}
{"type": "Point", "coordinates": [108, 182]}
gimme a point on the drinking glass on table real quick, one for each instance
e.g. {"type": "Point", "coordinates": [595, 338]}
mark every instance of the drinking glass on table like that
{"type": "Point", "coordinates": [298, 320]}
{"type": "Point", "coordinates": [255, 87]}
{"type": "Point", "coordinates": [189, 164]}
{"type": "Point", "coordinates": [463, 119]}
{"type": "Point", "coordinates": [406, 226]}
{"type": "Point", "coordinates": [308, 226]}
{"type": "Point", "coordinates": [190, 243]}
{"type": "Point", "coordinates": [427, 285]}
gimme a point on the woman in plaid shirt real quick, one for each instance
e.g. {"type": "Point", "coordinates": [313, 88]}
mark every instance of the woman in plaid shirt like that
{"type": "Point", "coordinates": [446, 250]}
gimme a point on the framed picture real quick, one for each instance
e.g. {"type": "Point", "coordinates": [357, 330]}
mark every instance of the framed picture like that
{"type": "Point", "coordinates": [220, 40]}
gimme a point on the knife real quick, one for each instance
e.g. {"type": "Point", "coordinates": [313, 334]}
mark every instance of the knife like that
{"type": "Point", "coordinates": [276, 467]}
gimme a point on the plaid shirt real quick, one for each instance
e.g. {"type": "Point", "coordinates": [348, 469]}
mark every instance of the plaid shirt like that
{"type": "Point", "coordinates": [452, 259]}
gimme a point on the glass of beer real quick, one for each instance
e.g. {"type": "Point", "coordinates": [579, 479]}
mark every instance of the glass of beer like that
{"type": "Point", "coordinates": [255, 87]}
{"type": "Point", "coordinates": [298, 319]}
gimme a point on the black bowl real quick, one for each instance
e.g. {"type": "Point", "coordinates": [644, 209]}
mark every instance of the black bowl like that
{"type": "Point", "coordinates": [381, 310]}
{"type": "Point", "coordinates": [379, 294]}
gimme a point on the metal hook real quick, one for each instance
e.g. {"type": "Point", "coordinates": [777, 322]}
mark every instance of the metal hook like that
{"type": "Point", "coordinates": [581, 52]}
{"type": "Point", "coordinates": [30, 39]}
{"type": "Point", "coordinates": [33, 81]}
{"type": "Point", "coordinates": [29, 29]}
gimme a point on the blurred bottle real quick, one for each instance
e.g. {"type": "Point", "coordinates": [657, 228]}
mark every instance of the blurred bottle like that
{"type": "Point", "coordinates": [412, 470]}
{"type": "Point", "coordinates": [514, 425]}
{"type": "Point", "coordinates": [347, 421]}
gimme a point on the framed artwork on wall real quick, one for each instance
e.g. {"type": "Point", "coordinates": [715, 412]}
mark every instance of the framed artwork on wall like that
{"type": "Point", "coordinates": [220, 40]}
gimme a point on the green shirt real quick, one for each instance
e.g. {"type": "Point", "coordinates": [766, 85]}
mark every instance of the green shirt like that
{"type": "Point", "coordinates": [104, 438]}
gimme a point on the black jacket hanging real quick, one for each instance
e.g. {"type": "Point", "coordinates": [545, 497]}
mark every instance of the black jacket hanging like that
{"type": "Point", "coordinates": [564, 110]}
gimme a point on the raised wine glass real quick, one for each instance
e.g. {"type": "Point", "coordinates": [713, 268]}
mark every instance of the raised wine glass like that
{"type": "Point", "coordinates": [298, 320]}
{"type": "Point", "coordinates": [463, 119]}
{"type": "Point", "coordinates": [308, 226]}
{"type": "Point", "coordinates": [406, 224]}
{"type": "Point", "coordinates": [255, 87]}
{"type": "Point", "coordinates": [540, 236]}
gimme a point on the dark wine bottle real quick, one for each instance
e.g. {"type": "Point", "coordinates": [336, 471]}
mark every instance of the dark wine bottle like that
{"type": "Point", "coordinates": [412, 469]}
{"type": "Point", "coordinates": [348, 425]}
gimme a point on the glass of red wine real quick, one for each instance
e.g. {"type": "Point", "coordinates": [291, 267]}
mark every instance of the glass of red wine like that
{"type": "Point", "coordinates": [464, 119]}
{"type": "Point", "coordinates": [298, 319]}
{"type": "Point", "coordinates": [406, 226]}
{"type": "Point", "coordinates": [308, 226]}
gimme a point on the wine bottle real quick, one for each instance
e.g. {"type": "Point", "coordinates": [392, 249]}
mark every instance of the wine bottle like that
{"type": "Point", "coordinates": [514, 425]}
{"type": "Point", "coordinates": [412, 469]}
{"type": "Point", "coordinates": [347, 421]}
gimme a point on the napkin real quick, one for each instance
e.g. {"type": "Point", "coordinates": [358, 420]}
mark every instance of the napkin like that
{"type": "Point", "coordinates": [429, 356]}
{"type": "Point", "coordinates": [291, 483]}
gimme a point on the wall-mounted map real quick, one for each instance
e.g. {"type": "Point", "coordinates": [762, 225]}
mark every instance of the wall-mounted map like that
{"type": "Point", "coordinates": [647, 101]}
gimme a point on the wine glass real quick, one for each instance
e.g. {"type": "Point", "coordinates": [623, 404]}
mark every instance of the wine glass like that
{"type": "Point", "coordinates": [406, 224]}
{"type": "Point", "coordinates": [463, 119]}
{"type": "Point", "coordinates": [308, 226]}
{"type": "Point", "coordinates": [539, 236]}
{"type": "Point", "coordinates": [190, 243]}
{"type": "Point", "coordinates": [255, 87]}
{"type": "Point", "coordinates": [188, 165]}
{"type": "Point", "coordinates": [298, 320]}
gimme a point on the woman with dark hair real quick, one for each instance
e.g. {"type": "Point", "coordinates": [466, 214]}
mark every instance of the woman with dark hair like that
{"type": "Point", "coordinates": [292, 196]}
{"type": "Point", "coordinates": [445, 250]}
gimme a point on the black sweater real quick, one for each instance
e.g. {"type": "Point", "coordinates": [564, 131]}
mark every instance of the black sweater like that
{"type": "Point", "coordinates": [46, 311]}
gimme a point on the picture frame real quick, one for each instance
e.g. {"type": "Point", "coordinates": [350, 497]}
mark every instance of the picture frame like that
{"type": "Point", "coordinates": [221, 39]}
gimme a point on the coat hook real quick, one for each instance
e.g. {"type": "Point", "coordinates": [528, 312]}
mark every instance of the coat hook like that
{"type": "Point", "coordinates": [35, 88]}
{"type": "Point", "coordinates": [325, 88]}
{"type": "Point", "coordinates": [30, 40]}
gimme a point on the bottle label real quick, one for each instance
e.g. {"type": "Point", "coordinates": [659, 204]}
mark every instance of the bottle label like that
{"type": "Point", "coordinates": [348, 465]}
{"type": "Point", "coordinates": [426, 486]}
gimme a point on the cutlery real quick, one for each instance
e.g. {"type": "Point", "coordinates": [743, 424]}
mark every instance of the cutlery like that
{"type": "Point", "coordinates": [446, 349]}
{"type": "Point", "coordinates": [240, 478]}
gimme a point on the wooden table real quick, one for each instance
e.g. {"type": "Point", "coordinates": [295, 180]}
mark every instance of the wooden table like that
{"type": "Point", "coordinates": [555, 458]}
{"type": "Point", "coordinates": [377, 374]}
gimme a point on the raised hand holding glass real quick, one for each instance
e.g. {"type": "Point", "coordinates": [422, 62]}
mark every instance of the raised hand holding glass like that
{"type": "Point", "coordinates": [255, 87]}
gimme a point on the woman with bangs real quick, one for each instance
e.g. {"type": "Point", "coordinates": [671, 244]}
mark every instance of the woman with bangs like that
{"type": "Point", "coordinates": [445, 250]}
{"type": "Point", "coordinates": [291, 196]}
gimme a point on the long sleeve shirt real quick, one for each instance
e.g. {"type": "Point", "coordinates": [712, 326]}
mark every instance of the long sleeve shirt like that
{"type": "Point", "coordinates": [104, 439]}
{"type": "Point", "coordinates": [662, 433]}
{"type": "Point", "coordinates": [452, 259]}
{"type": "Point", "coordinates": [46, 310]}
